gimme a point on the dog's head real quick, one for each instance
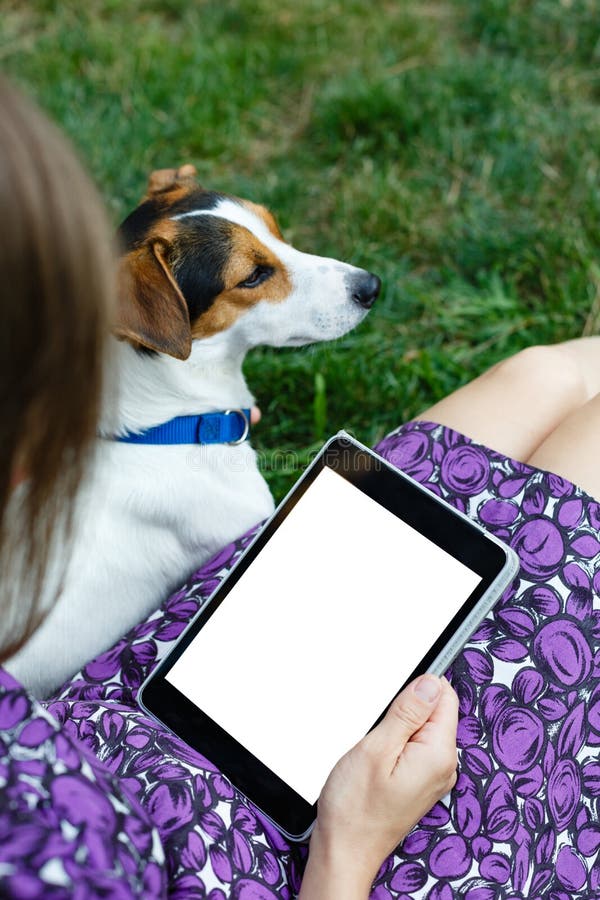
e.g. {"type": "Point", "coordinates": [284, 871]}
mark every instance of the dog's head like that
{"type": "Point", "coordinates": [198, 263]}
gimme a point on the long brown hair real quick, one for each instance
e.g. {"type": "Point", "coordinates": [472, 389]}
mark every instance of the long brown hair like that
{"type": "Point", "coordinates": [56, 289]}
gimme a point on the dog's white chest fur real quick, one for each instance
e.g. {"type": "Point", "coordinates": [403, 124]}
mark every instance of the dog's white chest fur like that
{"type": "Point", "coordinates": [148, 516]}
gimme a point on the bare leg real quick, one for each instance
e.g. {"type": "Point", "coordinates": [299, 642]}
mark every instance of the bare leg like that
{"type": "Point", "coordinates": [585, 353]}
{"type": "Point", "coordinates": [572, 448]}
{"type": "Point", "coordinates": [519, 402]}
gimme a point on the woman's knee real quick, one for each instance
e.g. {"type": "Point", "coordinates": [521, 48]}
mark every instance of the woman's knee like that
{"type": "Point", "coordinates": [545, 370]}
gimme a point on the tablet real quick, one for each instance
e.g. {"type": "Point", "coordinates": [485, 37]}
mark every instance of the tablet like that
{"type": "Point", "coordinates": [361, 580]}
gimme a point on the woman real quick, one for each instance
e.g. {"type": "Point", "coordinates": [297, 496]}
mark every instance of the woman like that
{"type": "Point", "coordinates": [95, 800]}
{"type": "Point", "coordinates": [66, 825]}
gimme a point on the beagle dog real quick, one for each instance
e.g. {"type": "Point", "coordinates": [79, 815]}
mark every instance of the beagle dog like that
{"type": "Point", "coordinates": [204, 277]}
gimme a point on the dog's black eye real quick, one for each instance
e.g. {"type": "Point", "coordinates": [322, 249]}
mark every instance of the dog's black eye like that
{"type": "Point", "coordinates": [256, 277]}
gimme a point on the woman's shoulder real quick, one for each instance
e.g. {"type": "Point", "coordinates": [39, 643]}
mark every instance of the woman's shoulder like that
{"type": "Point", "coordinates": [64, 819]}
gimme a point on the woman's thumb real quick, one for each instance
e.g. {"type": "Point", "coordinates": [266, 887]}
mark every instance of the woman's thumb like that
{"type": "Point", "coordinates": [408, 712]}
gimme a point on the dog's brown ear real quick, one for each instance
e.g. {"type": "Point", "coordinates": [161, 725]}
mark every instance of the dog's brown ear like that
{"type": "Point", "coordinates": [163, 180]}
{"type": "Point", "coordinates": [151, 309]}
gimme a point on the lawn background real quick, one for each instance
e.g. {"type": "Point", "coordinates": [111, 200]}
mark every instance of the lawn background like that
{"type": "Point", "coordinates": [452, 147]}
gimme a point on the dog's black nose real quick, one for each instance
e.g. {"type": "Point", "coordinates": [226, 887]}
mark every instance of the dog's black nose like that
{"type": "Point", "coordinates": [365, 289]}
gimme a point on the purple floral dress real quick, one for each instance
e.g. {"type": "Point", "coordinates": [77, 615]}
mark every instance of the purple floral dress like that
{"type": "Point", "coordinates": [68, 827]}
{"type": "Point", "coordinates": [523, 821]}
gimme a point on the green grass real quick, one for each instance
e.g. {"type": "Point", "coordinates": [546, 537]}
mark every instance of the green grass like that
{"type": "Point", "coordinates": [452, 147]}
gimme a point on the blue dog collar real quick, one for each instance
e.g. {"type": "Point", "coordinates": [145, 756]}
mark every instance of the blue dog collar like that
{"type": "Point", "coordinates": [229, 427]}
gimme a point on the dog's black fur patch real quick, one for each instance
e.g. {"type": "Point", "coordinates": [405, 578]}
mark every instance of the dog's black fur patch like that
{"type": "Point", "coordinates": [196, 200]}
{"type": "Point", "coordinates": [135, 227]}
{"type": "Point", "coordinates": [202, 250]}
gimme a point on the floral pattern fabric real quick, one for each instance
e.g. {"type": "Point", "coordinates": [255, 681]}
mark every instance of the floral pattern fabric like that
{"type": "Point", "coordinates": [68, 828]}
{"type": "Point", "coordinates": [216, 844]}
{"type": "Point", "coordinates": [523, 820]}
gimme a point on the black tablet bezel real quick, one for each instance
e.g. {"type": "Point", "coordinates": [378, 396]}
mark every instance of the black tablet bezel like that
{"type": "Point", "coordinates": [416, 506]}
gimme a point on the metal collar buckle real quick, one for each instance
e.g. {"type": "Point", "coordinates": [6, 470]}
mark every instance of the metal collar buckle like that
{"type": "Point", "coordinates": [239, 412]}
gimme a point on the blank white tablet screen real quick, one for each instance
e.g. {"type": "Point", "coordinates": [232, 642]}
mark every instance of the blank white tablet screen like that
{"type": "Point", "coordinates": [321, 631]}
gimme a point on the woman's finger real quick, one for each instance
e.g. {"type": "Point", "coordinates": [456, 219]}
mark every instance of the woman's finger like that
{"type": "Point", "coordinates": [407, 714]}
{"type": "Point", "coordinates": [439, 732]}
{"type": "Point", "coordinates": [445, 713]}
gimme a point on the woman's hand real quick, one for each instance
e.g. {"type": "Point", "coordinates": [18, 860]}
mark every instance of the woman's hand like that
{"type": "Point", "coordinates": [380, 789]}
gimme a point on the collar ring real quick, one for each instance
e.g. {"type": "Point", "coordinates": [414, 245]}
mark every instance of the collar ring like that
{"type": "Point", "coordinates": [244, 435]}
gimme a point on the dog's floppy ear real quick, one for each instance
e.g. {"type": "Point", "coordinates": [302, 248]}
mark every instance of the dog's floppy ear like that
{"type": "Point", "coordinates": [151, 308]}
{"type": "Point", "coordinates": [163, 180]}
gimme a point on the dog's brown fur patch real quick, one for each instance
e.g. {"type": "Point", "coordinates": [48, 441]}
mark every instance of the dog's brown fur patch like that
{"type": "Point", "coordinates": [176, 182]}
{"type": "Point", "coordinates": [151, 310]}
{"type": "Point", "coordinates": [266, 215]}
